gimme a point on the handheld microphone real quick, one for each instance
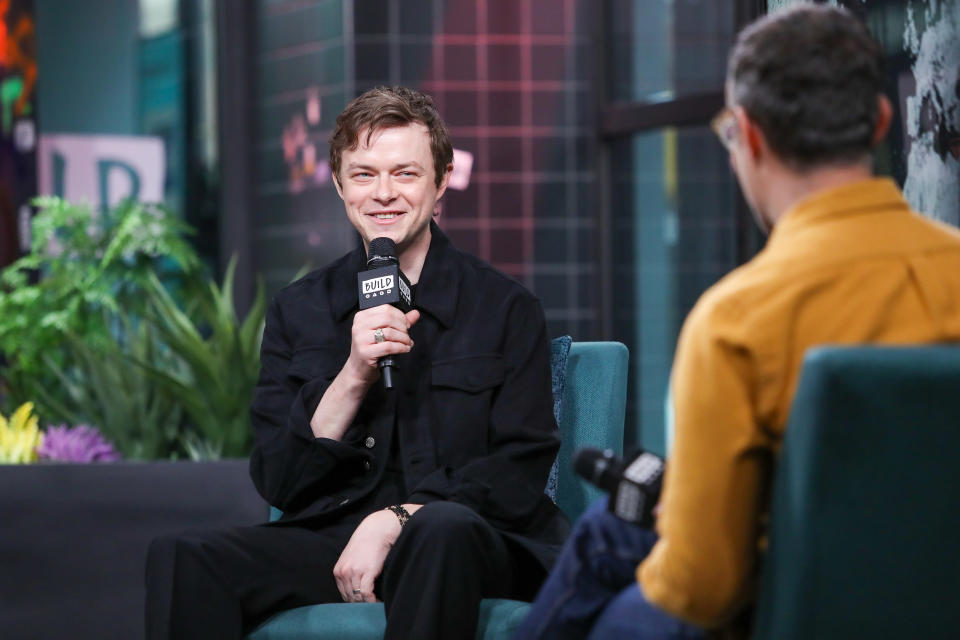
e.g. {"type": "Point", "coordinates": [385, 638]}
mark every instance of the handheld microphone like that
{"type": "Point", "coordinates": [633, 482]}
{"type": "Point", "coordinates": [384, 283]}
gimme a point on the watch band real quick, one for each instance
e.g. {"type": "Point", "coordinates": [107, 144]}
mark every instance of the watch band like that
{"type": "Point", "coordinates": [402, 514]}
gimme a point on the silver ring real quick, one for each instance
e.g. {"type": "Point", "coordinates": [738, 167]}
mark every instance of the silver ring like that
{"type": "Point", "coordinates": [378, 336]}
{"type": "Point", "coordinates": [356, 592]}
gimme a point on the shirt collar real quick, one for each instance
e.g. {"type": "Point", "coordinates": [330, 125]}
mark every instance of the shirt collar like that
{"type": "Point", "coordinates": [862, 197]}
{"type": "Point", "coordinates": [439, 286]}
{"type": "Point", "coordinates": [437, 290]}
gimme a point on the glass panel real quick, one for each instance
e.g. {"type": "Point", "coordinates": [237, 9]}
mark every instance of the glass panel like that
{"type": "Point", "coordinates": [177, 102]}
{"type": "Point", "coordinates": [674, 234]}
{"type": "Point", "coordinates": [662, 50]}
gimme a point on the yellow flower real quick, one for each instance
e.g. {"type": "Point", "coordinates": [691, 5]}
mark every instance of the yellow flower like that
{"type": "Point", "coordinates": [20, 436]}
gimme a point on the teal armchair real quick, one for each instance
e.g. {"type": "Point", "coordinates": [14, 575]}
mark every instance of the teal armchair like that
{"type": "Point", "coordinates": [592, 405]}
{"type": "Point", "coordinates": [865, 509]}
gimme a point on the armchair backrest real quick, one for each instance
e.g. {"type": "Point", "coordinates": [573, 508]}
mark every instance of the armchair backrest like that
{"type": "Point", "coordinates": [865, 508]}
{"type": "Point", "coordinates": [593, 409]}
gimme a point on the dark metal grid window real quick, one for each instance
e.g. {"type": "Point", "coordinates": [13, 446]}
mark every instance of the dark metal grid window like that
{"type": "Point", "coordinates": [673, 220]}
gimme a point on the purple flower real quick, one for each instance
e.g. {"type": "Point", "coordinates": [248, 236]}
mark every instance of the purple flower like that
{"type": "Point", "coordinates": [79, 444]}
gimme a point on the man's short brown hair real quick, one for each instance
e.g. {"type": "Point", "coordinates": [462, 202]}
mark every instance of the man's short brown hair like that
{"type": "Point", "coordinates": [385, 107]}
{"type": "Point", "coordinates": [809, 76]}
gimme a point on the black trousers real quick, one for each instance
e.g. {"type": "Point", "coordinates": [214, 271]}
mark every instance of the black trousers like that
{"type": "Point", "coordinates": [223, 583]}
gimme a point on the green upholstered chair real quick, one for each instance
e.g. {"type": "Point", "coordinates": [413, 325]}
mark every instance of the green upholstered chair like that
{"type": "Point", "coordinates": [593, 401]}
{"type": "Point", "coordinates": [865, 520]}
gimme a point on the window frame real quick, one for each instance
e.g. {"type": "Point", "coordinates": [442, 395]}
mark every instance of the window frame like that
{"type": "Point", "coordinates": [616, 120]}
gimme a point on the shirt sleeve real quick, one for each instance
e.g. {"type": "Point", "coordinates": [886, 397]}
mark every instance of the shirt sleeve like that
{"type": "Point", "coordinates": [506, 485]}
{"type": "Point", "coordinates": [289, 466]}
{"type": "Point", "coordinates": [703, 565]}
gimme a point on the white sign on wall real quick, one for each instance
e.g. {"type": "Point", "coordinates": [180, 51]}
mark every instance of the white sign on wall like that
{"type": "Point", "coordinates": [462, 166]}
{"type": "Point", "coordinates": [100, 169]}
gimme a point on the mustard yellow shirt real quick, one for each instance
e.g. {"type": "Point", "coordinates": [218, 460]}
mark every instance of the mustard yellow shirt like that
{"type": "Point", "coordinates": [844, 266]}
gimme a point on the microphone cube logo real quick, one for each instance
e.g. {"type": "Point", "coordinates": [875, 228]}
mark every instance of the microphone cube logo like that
{"type": "Point", "coordinates": [384, 285]}
{"type": "Point", "coordinates": [380, 286]}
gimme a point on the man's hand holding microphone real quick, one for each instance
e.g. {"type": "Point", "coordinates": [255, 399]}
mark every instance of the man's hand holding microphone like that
{"type": "Point", "coordinates": [380, 331]}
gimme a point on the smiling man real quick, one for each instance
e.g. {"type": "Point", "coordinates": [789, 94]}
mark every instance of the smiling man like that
{"type": "Point", "coordinates": [428, 497]}
{"type": "Point", "coordinates": [390, 185]}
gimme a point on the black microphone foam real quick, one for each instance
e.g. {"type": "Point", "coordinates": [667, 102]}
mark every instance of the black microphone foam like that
{"type": "Point", "coordinates": [382, 252]}
{"type": "Point", "coordinates": [596, 467]}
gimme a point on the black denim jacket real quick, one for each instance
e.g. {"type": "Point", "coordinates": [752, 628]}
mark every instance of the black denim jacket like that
{"type": "Point", "coordinates": [473, 405]}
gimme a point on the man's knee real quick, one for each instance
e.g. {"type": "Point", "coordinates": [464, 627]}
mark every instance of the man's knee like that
{"type": "Point", "coordinates": [160, 557]}
{"type": "Point", "coordinates": [444, 514]}
{"type": "Point", "coordinates": [443, 539]}
{"type": "Point", "coordinates": [164, 551]}
{"type": "Point", "coordinates": [170, 550]}
{"type": "Point", "coordinates": [597, 522]}
{"type": "Point", "coordinates": [598, 535]}
{"type": "Point", "coordinates": [443, 519]}
{"type": "Point", "coordinates": [599, 517]}
{"type": "Point", "coordinates": [441, 526]}
{"type": "Point", "coordinates": [629, 612]}
{"type": "Point", "coordinates": [161, 548]}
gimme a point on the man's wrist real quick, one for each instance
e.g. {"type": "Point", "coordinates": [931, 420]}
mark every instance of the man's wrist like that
{"type": "Point", "coordinates": [406, 508]}
{"type": "Point", "coordinates": [338, 406]}
{"type": "Point", "coordinates": [401, 512]}
{"type": "Point", "coordinates": [352, 383]}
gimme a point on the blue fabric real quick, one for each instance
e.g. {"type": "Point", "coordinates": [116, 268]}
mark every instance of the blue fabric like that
{"type": "Point", "coordinates": [592, 591]}
{"type": "Point", "coordinates": [559, 350]}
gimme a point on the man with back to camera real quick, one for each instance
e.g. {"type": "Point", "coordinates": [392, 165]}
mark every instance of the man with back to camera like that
{"type": "Point", "coordinates": [428, 496]}
{"type": "Point", "coordinates": [846, 262]}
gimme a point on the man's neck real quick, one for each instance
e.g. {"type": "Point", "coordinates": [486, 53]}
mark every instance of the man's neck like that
{"type": "Point", "coordinates": [789, 187]}
{"type": "Point", "coordinates": [412, 258]}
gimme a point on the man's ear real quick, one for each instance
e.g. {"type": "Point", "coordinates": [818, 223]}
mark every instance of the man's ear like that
{"type": "Point", "coordinates": [884, 118]}
{"type": "Point", "coordinates": [445, 181]}
{"type": "Point", "coordinates": [752, 138]}
{"type": "Point", "coordinates": [336, 183]}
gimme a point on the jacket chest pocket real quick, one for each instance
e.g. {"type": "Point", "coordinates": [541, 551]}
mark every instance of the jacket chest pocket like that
{"type": "Point", "coordinates": [462, 394]}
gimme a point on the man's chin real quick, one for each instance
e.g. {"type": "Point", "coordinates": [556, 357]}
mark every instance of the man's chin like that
{"type": "Point", "coordinates": [376, 231]}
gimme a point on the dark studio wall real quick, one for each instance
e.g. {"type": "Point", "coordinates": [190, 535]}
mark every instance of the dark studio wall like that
{"type": "Point", "coordinates": [512, 81]}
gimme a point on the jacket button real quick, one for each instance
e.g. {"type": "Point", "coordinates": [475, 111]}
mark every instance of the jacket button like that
{"type": "Point", "coordinates": [370, 442]}
{"type": "Point", "coordinates": [344, 501]}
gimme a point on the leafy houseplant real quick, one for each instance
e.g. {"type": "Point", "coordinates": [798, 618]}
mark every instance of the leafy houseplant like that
{"type": "Point", "coordinates": [110, 320]}
{"type": "Point", "coordinates": [218, 361]}
{"type": "Point", "coordinates": [101, 386]}
{"type": "Point", "coordinates": [89, 264]}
